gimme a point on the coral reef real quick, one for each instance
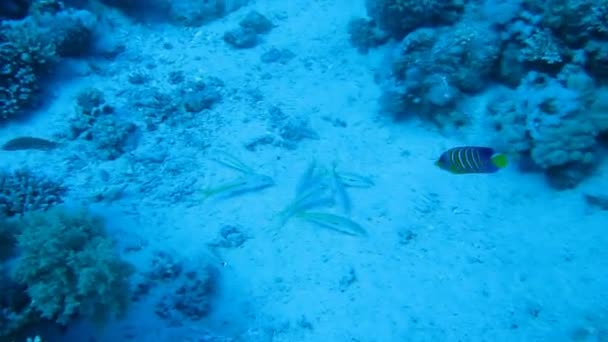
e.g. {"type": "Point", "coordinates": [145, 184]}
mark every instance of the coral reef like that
{"type": "Point", "coordinates": [30, 48]}
{"type": "Point", "coordinates": [25, 56]}
{"type": "Point", "coordinates": [70, 267]}
{"type": "Point", "coordinates": [111, 136]}
{"type": "Point", "coordinates": [7, 238]}
{"type": "Point", "coordinates": [188, 294]}
{"type": "Point", "coordinates": [21, 191]}
{"type": "Point", "coordinates": [464, 54]}
{"type": "Point", "coordinates": [575, 21]}
{"type": "Point", "coordinates": [90, 104]}
{"type": "Point", "coordinates": [400, 17]}
{"type": "Point", "coordinates": [435, 67]}
{"type": "Point", "coordinates": [61, 266]}
{"type": "Point", "coordinates": [96, 121]}
{"type": "Point", "coordinates": [15, 313]}
{"type": "Point", "coordinates": [551, 55]}
{"type": "Point", "coordinates": [548, 121]}
{"type": "Point", "coordinates": [365, 34]}
{"type": "Point", "coordinates": [191, 298]}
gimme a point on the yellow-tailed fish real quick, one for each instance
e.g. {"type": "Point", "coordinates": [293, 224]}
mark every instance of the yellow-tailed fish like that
{"type": "Point", "coordinates": [471, 159]}
{"type": "Point", "coordinates": [352, 180]}
{"type": "Point", "coordinates": [334, 222]}
{"type": "Point", "coordinates": [310, 198]}
{"type": "Point", "coordinates": [340, 191]}
{"type": "Point", "coordinates": [312, 177]}
{"type": "Point", "coordinates": [231, 161]}
{"type": "Point", "coordinates": [247, 183]}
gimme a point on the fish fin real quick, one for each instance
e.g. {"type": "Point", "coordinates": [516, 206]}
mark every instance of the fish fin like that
{"type": "Point", "coordinates": [499, 160]}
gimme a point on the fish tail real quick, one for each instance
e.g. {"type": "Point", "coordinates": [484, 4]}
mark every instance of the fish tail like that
{"type": "Point", "coordinates": [499, 160]}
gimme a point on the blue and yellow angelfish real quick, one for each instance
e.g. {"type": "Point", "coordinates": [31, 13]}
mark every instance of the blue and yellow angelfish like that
{"type": "Point", "coordinates": [471, 159]}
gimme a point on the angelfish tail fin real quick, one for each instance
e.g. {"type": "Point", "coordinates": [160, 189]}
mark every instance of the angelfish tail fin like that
{"type": "Point", "coordinates": [499, 160]}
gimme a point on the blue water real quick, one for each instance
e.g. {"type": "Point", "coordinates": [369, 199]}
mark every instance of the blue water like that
{"type": "Point", "coordinates": [258, 171]}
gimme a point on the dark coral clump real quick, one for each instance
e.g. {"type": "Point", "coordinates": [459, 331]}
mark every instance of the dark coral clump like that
{"type": "Point", "coordinates": [14, 9]}
{"type": "Point", "coordinates": [29, 50]}
{"type": "Point", "coordinates": [70, 267]}
{"type": "Point", "coordinates": [435, 67]}
{"type": "Point", "coordinates": [400, 17]}
{"type": "Point", "coordinates": [25, 56]}
{"type": "Point", "coordinates": [22, 191]}
{"type": "Point", "coordinates": [65, 267]}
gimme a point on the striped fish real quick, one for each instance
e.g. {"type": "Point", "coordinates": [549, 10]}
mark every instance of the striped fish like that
{"type": "Point", "coordinates": [471, 159]}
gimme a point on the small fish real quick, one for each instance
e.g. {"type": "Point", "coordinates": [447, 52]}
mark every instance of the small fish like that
{"type": "Point", "coordinates": [317, 196]}
{"type": "Point", "coordinates": [340, 191]}
{"type": "Point", "coordinates": [334, 222]}
{"type": "Point", "coordinates": [248, 183]}
{"type": "Point", "coordinates": [29, 143]}
{"type": "Point", "coordinates": [353, 180]}
{"type": "Point", "coordinates": [471, 159]}
{"type": "Point", "coordinates": [232, 162]}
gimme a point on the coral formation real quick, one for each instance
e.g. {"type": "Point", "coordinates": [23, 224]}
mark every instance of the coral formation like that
{"type": "Point", "coordinates": [365, 34]}
{"type": "Point", "coordinates": [70, 267]}
{"type": "Point", "coordinates": [552, 55]}
{"type": "Point", "coordinates": [14, 9]}
{"type": "Point", "coordinates": [111, 136]}
{"type": "Point", "coordinates": [191, 299]}
{"type": "Point", "coordinates": [62, 266]}
{"type": "Point", "coordinates": [97, 122]}
{"type": "Point", "coordinates": [434, 67]}
{"type": "Point", "coordinates": [188, 293]}
{"type": "Point", "coordinates": [25, 56]}
{"type": "Point", "coordinates": [549, 122]}
{"type": "Point", "coordinates": [15, 312]}
{"type": "Point", "coordinates": [400, 17]}
{"type": "Point", "coordinates": [22, 191]}
{"type": "Point", "coordinates": [31, 47]}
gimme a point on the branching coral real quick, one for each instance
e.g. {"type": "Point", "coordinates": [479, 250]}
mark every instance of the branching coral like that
{"type": "Point", "coordinates": [70, 267]}
{"type": "Point", "coordinates": [30, 48]}
{"type": "Point", "coordinates": [22, 191]}
{"type": "Point", "coordinates": [25, 55]}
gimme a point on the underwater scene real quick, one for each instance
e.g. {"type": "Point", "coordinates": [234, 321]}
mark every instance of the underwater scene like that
{"type": "Point", "coordinates": [303, 170]}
